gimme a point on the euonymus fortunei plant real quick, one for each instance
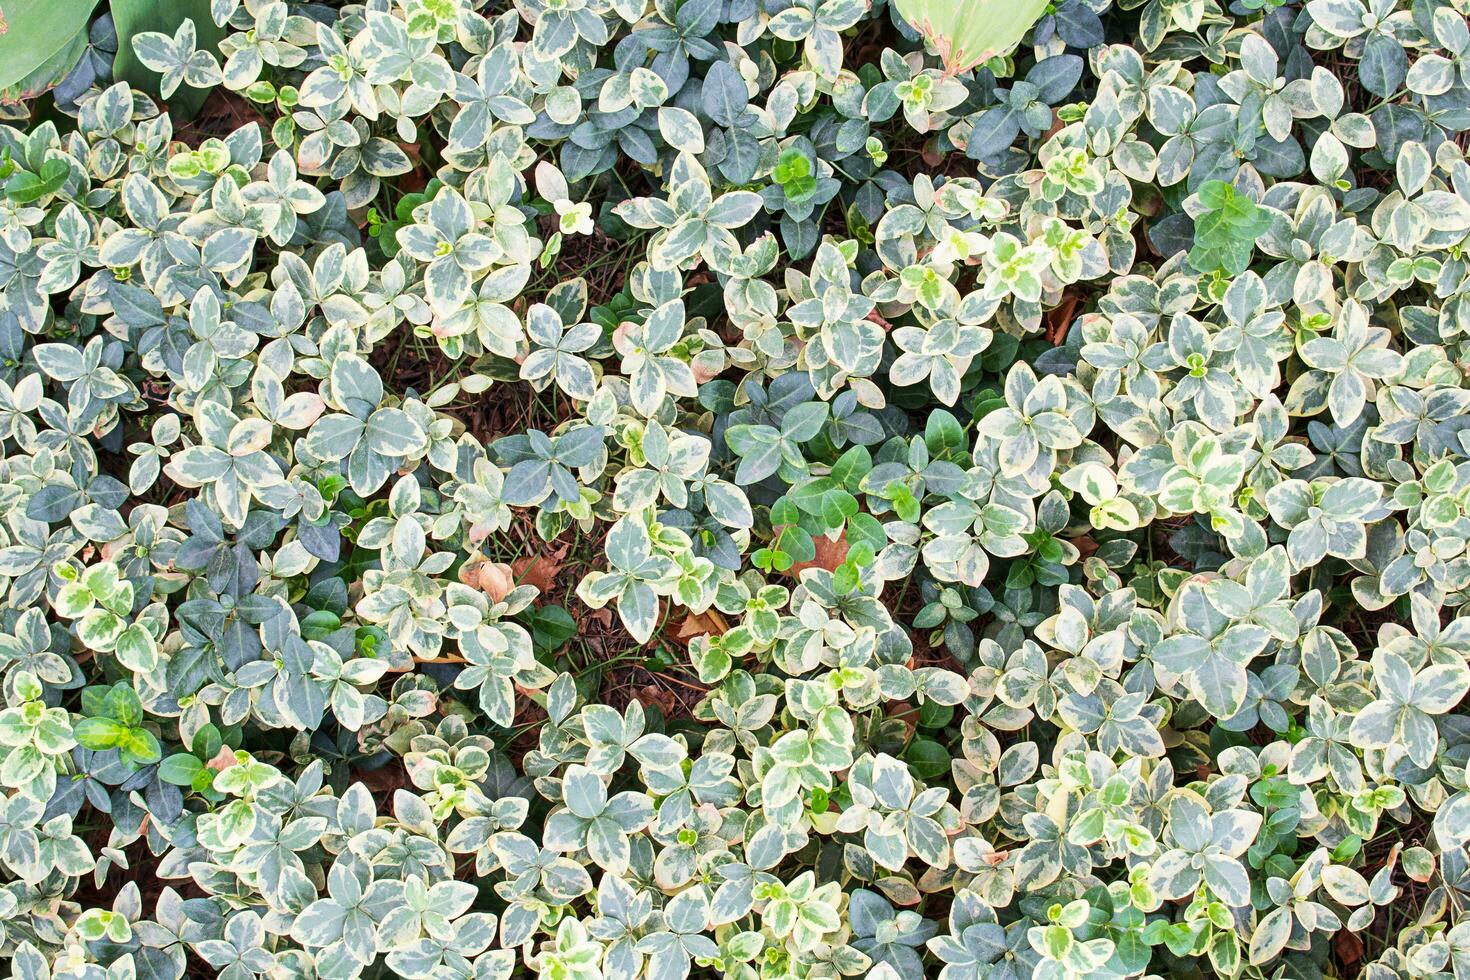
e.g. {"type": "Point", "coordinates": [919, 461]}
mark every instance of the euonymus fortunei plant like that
{"type": "Point", "coordinates": [757, 489]}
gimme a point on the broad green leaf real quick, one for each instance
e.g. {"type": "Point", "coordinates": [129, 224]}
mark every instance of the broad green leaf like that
{"type": "Point", "coordinates": [968, 34]}
{"type": "Point", "coordinates": [41, 38]}
{"type": "Point", "coordinates": [133, 17]}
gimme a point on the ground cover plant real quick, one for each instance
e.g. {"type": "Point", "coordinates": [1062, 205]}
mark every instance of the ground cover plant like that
{"type": "Point", "coordinates": [734, 488]}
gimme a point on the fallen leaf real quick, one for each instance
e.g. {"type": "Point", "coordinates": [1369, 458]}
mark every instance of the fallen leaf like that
{"type": "Point", "coordinates": [494, 578]}
{"type": "Point", "coordinates": [384, 779]}
{"type": "Point", "coordinates": [1056, 126]}
{"type": "Point", "coordinates": [829, 555]}
{"type": "Point", "coordinates": [1349, 948]}
{"type": "Point", "coordinates": [540, 570]}
{"type": "Point", "coordinates": [905, 714]}
{"type": "Point", "coordinates": [875, 317]}
{"type": "Point", "coordinates": [414, 180]}
{"type": "Point", "coordinates": [653, 696]}
{"type": "Point", "coordinates": [469, 572]}
{"type": "Point", "coordinates": [707, 623]}
{"type": "Point", "coordinates": [1058, 319]}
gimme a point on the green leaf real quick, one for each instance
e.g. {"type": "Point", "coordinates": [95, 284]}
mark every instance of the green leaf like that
{"type": "Point", "coordinates": [552, 626]}
{"type": "Point", "coordinates": [99, 734]}
{"type": "Point", "coordinates": [24, 187]}
{"type": "Point", "coordinates": [967, 34]}
{"type": "Point", "coordinates": [793, 171]}
{"type": "Point", "coordinates": [784, 513]}
{"type": "Point", "coordinates": [798, 544]}
{"type": "Point", "coordinates": [318, 624]}
{"type": "Point", "coordinates": [122, 705]}
{"type": "Point", "coordinates": [50, 73]}
{"type": "Point", "coordinates": [41, 34]}
{"type": "Point", "coordinates": [804, 421]}
{"type": "Point", "coordinates": [207, 741]}
{"type": "Point", "coordinates": [823, 498]}
{"type": "Point", "coordinates": [943, 435]}
{"type": "Point", "coordinates": [136, 649]}
{"type": "Point", "coordinates": [866, 529]}
{"type": "Point", "coordinates": [927, 758]}
{"type": "Point", "coordinates": [134, 17]}
{"type": "Point", "coordinates": [638, 607]}
{"type": "Point", "coordinates": [904, 503]}
{"type": "Point", "coordinates": [852, 466]}
{"type": "Point", "coordinates": [180, 769]}
{"type": "Point", "coordinates": [860, 554]}
{"type": "Point", "coordinates": [759, 447]}
{"type": "Point", "coordinates": [141, 747]}
{"type": "Point", "coordinates": [932, 714]}
{"type": "Point", "coordinates": [1225, 233]}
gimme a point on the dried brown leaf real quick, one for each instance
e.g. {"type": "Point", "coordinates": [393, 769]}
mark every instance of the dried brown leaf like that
{"type": "Point", "coordinates": [494, 578]}
{"type": "Point", "coordinates": [653, 696]}
{"type": "Point", "coordinates": [707, 623]}
{"type": "Point", "coordinates": [540, 570]}
{"type": "Point", "coordinates": [829, 555]}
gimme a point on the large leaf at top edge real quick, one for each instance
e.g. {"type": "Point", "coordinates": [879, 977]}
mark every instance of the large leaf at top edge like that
{"type": "Point", "coordinates": [967, 34]}
{"type": "Point", "coordinates": [49, 74]}
{"type": "Point", "coordinates": [39, 37]}
{"type": "Point", "coordinates": [134, 17]}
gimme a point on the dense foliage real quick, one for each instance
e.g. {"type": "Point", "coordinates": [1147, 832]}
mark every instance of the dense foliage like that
{"type": "Point", "coordinates": [982, 513]}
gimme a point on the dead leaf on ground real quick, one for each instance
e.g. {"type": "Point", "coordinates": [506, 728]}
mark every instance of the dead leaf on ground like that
{"type": "Point", "coordinates": [900, 891]}
{"type": "Point", "coordinates": [1056, 126]}
{"type": "Point", "coordinates": [707, 623]}
{"type": "Point", "coordinates": [540, 570]}
{"type": "Point", "coordinates": [1058, 320]}
{"type": "Point", "coordinates": [382, 780]}
{"type": "Point", "coordinates": [415, 179]}
{"type": "Point", "coordinates": [905, 714]}
{"type": "Point", "coordinates": [829, 555]}
{"type": "Point", "coordinates": [494, 578]}
{"type": "Point", "coordinates": [1349, 948]}
{"type": "Point", "coordinates": [653, 696]}
{"type": "Point", "coordinates": [603, 616]}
